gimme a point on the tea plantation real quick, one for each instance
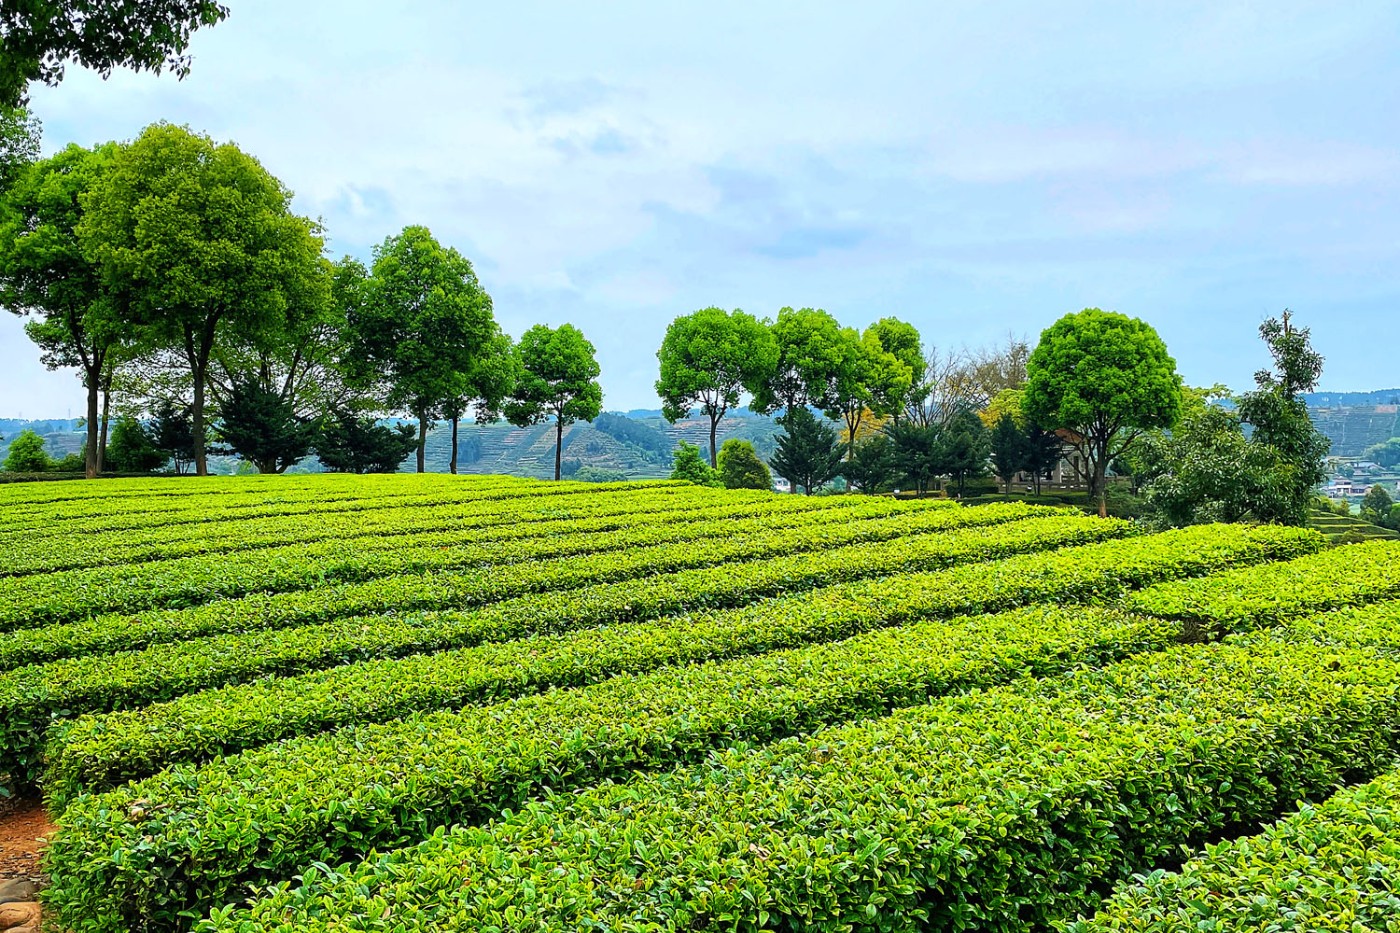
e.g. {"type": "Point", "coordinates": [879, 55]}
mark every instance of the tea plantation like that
{"type": "Point", "coordinates": [438, 703]}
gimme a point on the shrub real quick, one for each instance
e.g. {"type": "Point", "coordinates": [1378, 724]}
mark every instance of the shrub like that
{"type": "Point", "coordinates": [740, 468]}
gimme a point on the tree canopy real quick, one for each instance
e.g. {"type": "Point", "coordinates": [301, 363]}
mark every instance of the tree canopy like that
{"type": "Point", "coordinates": [1105, 379]}
{"type": "Point", "coordinates": [710, 358]}
{"type": "Point", "coordinates": [198, 240]}
{"type": "Point", "coordinates": [424, 326]}
{"type": "Point", "coordinates": [740, 468]}
{"type": "Point", "coordinates": [48, 276]}
{"type": "Point", "coordinates": [557, 377]}
{"type": "Point", "coordinates": [41, 36]}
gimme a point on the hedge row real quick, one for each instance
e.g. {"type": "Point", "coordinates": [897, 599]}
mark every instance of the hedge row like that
{"type": "Point", "coordinates": [1329, 867]}
{"type": "Point", "coordinates": [98, 751]}
{"type": "Point", "coordinates": [68, 552]}
{"type": "Point", "coordinates": [1242, 599]}
{"type": "Point", "coordinates": [463, 589]}
{"type": "Point", "coordinates": [236, 501]}
{"type": "Point", "coordinates": [262, 815]}
{"type": "Point", "coordinates": [309, 502]}
{"type": "Point", "coordinates": [1376, 625]}
{"type": "Point", "coordinates": [999, 811]}
{"type": "Point", "coordinates": [28, 602]}
{"type": "Point", "coordinates": [31, 698]}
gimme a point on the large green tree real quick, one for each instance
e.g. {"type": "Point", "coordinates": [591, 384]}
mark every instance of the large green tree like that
{"type": "Point", "coordinates": [710, 358]}
{"type": "Point", "coordinates": [869, 380]}
{"type": "Point", "coordinates": [199, 241]}
{"type": "Point", "coordinates": [1010, 449]}
{"type": "Point", "coordinates": [41, 36]}
{"type": "Point", "coordinates": [902, 341]}
{"type": "Point", "coordinates": [811, 348]}
{"type": "Point", "coordinates": [1105, 379]}
{"type": "Point", "coordinates": [45, 274]}
{"type": "Point", "coordinates": [1279, 415]}
{"type": "Point", "coordinates": [424, 326]}
{"type": "Point", "coordinates": [557, 378]}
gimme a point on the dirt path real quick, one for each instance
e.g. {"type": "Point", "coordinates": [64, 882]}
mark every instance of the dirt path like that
{"type": "Point", "coordinates": [23, 826]}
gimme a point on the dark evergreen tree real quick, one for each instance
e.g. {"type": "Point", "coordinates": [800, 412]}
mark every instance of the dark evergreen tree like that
{"type": "Point", "coordinates": [1010, 449]}
{"type": "Point", "coordinates": [873, 466]}
{"type": "Point", "coordinates": [172, 431]}
{"type": "Point", "coordinates": [808, 453]}
{"type": "Point", "coordinates": [347, 443]}
{"type": "Point", "coordinates": [919, 453]}
{"type": "Point", "coordinates": [966, 447]}
{"type": "Point", "coordinates": [263, 428]}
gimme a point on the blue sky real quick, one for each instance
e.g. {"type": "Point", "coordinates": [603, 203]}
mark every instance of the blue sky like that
{"type": "Point", "coordinates": [972, 168]}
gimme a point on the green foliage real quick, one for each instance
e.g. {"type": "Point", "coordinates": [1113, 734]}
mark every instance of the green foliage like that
{"type": "Point", "coordinates": [868, 378]}
{"type": "Point", "coordinates": [1208, 471]}
{"type": "Point", "coordinates": [593, 474]}
{"type": "Point", "coordinates": [172, 431]}
{"type": "Point", "coordinates": [1164, 749]}
{"type": "Point", "coordinates": [1376, 507]}
{"type": "Point", "coordinates": [709, 358]}
{"type": "Point", "coordinates": [1280, 419]}
{"type": "Point", "coordinates": [740, 468]}
{"type": "Point", "coordinates": [965, 448]}
{"type": "Point", "coordinates": [1386, 454]}
{"type": "Point", "coordinates": [873, 466]}
{"type": "Point", "coordinates": [26, 454]}
{"type": "Point", "coordinates": [902, 341]}
{"type": "Point", "coordinates": [635, 433]}
{"type": "Point", "coordinates": [348, 443]}
{"type": "Point", "coordinates": [19, 144]}
{"type": "Point", "coordinates": [558, 378]}
{"type": "Point", "coordinates": [1108, 379]}
{"type": "Point", "coordinates": [132, 449]}
{"type": "Point", "coordinates": [811, 349]}
{"type": "Point", "coordinates": [424, 327]}
{"type": "Point", "coordinates": [807, 454]}
{"type": "Point", "coordinates": [263, 428]}
{"type": "Point", "coordinates": [1242, 600]}
{"type": "Point", "coordinates": [147, 35]}
{"type": "Point", "coordinates": [199, 241]}
{"type": "Point", "coordinates": [1324, 868]}
{"type": "Point", "coordinates": [46, 275]}
{"type": "Point", "coordinates": [1010, 449]}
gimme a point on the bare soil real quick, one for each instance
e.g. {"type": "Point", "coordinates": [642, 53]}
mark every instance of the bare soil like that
{"type": "Point", "coordinates": [24, 824]}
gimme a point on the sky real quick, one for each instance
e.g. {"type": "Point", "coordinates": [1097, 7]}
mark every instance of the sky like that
{"type": "Point", "coordinates": [975, 169]}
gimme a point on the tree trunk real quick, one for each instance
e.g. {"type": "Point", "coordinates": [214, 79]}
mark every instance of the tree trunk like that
{"type": "Point", "coordinates": [422, 438]}
{"type": "Point", "coordinates": [558, 445]}
{"type": "Point", "coordinates": [201, 459]}
{"type": "Point", "coordinates": [92, 462]}
{"type": "Point", "coordinates": [714, 427]}
{"type": "Point", "coordinates": [1100, 484]}
{"type": "Point", "coordinates": [452, 463]}
{"type": "Point", "coordinates": [102, 433]}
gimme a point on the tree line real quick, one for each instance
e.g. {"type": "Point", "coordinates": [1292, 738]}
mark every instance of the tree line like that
{"type": "Point", "coordinates": [173, 275]}
{"type": "Point", "coordinates": [1099, 390]}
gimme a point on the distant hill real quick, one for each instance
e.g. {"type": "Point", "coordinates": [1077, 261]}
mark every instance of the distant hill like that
{"type": "Point", "coordinates": [638, 444]}
{"type": "Point", "coordinates": [1337, 399]}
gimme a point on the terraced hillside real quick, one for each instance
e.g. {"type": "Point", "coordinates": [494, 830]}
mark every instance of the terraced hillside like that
{"type": "Point", "coordinates": [408, 703]}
